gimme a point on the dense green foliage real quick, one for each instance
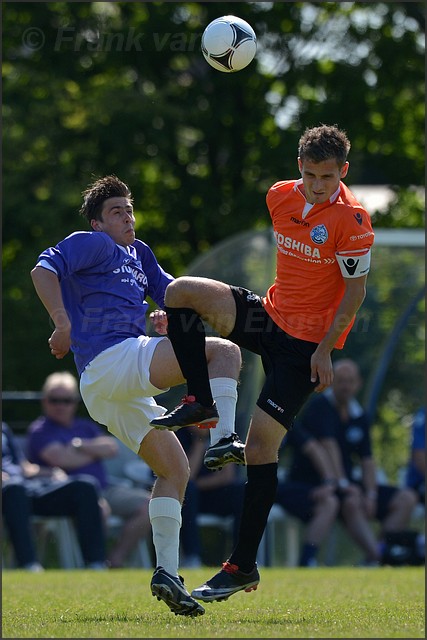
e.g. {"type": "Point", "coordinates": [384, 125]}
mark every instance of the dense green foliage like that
{"type": "Point", "coordinates": [99, 87]}
{"type": "Point", "coordinates": [289, 603]}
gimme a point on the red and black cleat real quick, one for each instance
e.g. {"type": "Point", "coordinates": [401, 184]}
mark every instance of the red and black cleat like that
{"type": "Point", "coordinates": [189, 413]}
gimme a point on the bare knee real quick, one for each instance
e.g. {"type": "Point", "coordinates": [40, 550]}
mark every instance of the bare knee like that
{"type": "Point", "coordinates": [163, 453]}
{"type": "Point", "coordinates": [180, 292]}
{"type": "Point", "coordinates": [226, 354]}
{"type": "Point", "coordinates": [257, 452]}
{"type": "Point", "coordinates": [352, 503]}
{"type": "Point", "coordinates": [405, 499]}
{"type": "Point", "coordinates": [176, 472]}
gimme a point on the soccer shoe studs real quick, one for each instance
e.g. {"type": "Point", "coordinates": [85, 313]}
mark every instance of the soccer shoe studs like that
{"type": "Point", "coordinates": [172, 591]}
{"type": "Point", "coordinates": [230, 449]}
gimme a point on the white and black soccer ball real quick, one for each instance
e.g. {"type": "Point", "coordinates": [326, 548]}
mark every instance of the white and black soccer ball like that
{"type": "Point", "coordinates": [229, 44]}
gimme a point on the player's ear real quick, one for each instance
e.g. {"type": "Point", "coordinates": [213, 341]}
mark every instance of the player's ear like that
{"type": "Point", "coordinates": [300, 165]}
{"type": "Point", "coordinates": [344, 169]}
{"type": "Point", "coordinates": [95, 225]}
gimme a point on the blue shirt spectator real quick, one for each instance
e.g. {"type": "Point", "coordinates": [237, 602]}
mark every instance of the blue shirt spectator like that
{"type": "Point", "coordinates": [415, 474]}
{"type": "Point", "coordinates": [29, 489]}
{"type": "Point", "coordinates": [44, 431]}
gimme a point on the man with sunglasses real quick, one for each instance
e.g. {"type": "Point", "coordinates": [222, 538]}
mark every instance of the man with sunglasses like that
{"type": "Point", "coordinates": [29, 489]}
{"type": "Point", "coordinates": [61, 438]}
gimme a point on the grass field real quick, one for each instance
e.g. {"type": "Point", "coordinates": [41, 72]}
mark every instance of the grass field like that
{"type": "Point", "coordinates": [289, 603]}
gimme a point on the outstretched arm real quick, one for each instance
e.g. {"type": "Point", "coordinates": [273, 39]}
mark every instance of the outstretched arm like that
{"type": "Point", "coordinates": [47, 286]}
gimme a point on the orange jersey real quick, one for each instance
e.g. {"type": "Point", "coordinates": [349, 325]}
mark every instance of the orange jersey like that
{"type": "Point", "coordinates": [317, 247]}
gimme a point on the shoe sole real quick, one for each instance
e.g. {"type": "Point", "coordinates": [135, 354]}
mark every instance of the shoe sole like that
{"type": "Point", "coordinates": [214, 464]}
{"type": "Point", "coordinates": [252, 586]}
{"type": "Point", "coordinates": [163, 592]}
{"type": "Point", "coordinates": [205, 424]}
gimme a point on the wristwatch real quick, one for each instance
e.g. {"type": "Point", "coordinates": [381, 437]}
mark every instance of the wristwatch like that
{"type": "Point", "coordinates": [76, 443]}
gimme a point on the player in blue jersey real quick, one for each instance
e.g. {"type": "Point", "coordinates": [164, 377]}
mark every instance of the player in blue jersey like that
{"type": "Point", "coordinates": [94, 285]}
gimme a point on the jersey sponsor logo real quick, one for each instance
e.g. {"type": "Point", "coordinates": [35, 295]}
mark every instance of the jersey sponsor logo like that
{"type": "Point", "coordinates": [286, 242]}
{"type": "Point", "coordinates": [138, 277]}
{"type": "Point", "coordinates": [319, 234]}
{"type": "Point", "coordinates": [358, 217]}
{"type": "Point", "coordinates": [361, 236]}
{"type": "Point", "coordinates": [301, 222]}
{"type": "Point", "coordinates": [329, 260]}
{"type": "Point", "coordinates": [275, 406]}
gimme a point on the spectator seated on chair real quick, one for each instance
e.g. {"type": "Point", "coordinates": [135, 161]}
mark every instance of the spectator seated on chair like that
{"type": "Point", "coordinates": [310, 498]}
{"type": "Point", "coordinates": [30, 490]}
{"type": "Point", "coordinates": [208, 492]}
{"type": "Point", "coordinates": [59, 438]}
{"type": "Point", "coordinates": [339, 422]}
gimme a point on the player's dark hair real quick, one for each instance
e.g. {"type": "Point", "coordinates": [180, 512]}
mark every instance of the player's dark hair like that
{"type": "Point", "coordinates": [99, 191]}
{"type": "Point", "coordinates": [324, 143]}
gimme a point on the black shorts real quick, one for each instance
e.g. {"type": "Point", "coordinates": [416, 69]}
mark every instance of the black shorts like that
{"type": "Point", "coordinates": [386, 493]}
{"type": "Point", "coordinates": [286, 360]}
{"type": "Point", "coordinates": [295, 498]}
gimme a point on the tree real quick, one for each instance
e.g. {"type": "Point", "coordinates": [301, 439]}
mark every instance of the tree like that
{"type": "Point", "coordinates": [96, 88]}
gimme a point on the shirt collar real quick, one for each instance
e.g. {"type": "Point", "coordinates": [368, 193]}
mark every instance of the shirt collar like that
{"type": "Point", "coordinates": [128, 250]}
{"type": "Point", "coordinates": [335, 195]}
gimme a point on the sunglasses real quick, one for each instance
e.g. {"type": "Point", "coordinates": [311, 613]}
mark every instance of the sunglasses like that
{"type": "Point", "coordinates": [61, 400]}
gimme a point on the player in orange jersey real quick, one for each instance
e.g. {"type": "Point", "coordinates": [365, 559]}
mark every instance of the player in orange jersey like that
{"type": "Point", "coordinates": [324, 239]}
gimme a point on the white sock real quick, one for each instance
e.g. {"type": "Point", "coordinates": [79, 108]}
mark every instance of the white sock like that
{"type": "Point", "coordinates": [224, 392]}
{"type": "Point", "coordinates": [165, 518]}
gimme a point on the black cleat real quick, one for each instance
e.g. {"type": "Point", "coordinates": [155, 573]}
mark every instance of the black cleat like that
{"type": "Point", "coordinates": [171, 590]}
{"type": "Point", "coordinates": [228, 581]}
{"type": "Point", "coordinates": [188, 414]}
{"type": "Point", "coordinates": [230, 449]}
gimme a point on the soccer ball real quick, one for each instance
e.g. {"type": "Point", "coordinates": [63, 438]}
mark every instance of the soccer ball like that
{"type": "Point", "coordinates": [229, 44]}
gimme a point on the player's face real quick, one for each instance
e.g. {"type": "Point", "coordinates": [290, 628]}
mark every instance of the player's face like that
{"type": "Point", "coordinates": [117, 221]}
{"type": "Point", "coordinates": [321, 179]}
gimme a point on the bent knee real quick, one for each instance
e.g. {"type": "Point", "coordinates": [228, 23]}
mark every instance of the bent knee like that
{"type": "Point", "coordinates": [225, 350]}
{"type": "Point", "coordinates": [352, 502]}
{"type": "Point", "coordinates": [406, 497]}
{"type": "Point", "coordinates": [180, 292]}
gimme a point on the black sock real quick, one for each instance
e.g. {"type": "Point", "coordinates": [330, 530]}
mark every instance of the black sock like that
{"type": "Point", "coordinates": [260, 493]}
{"type": "Point", "coordinates": [186, 332]}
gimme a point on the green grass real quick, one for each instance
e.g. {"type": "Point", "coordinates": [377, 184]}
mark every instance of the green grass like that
{"type": "Point", "coordinates": [289, 603]}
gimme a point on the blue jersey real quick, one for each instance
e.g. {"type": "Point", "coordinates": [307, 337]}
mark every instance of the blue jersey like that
{"type": "Point", "coordinates": [104, 288]}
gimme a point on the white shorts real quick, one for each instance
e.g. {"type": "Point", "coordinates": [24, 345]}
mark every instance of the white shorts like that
{"type": "Point", "coordinates": [117, 392]}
